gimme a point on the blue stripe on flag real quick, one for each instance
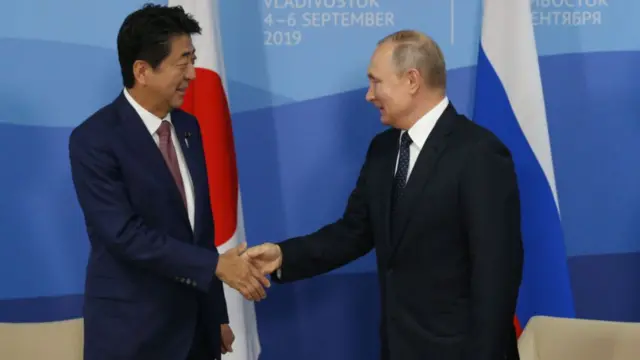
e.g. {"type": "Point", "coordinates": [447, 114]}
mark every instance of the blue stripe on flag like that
{"type": "Point", "coordinates": [546, 288]}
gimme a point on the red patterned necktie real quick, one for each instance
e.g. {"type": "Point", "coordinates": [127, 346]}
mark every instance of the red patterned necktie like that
{"type": "Point", "coordinates": [170, 157]}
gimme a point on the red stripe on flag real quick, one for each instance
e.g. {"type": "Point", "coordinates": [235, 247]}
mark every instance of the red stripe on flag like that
{"type": "Point", "coordinates": [516, 324]}
{"type": "Point", "coordinates": [205, 98]}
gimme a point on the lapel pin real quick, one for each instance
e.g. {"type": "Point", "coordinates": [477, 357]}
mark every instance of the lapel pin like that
{"type": "Point", "coordinates": [187, 135]}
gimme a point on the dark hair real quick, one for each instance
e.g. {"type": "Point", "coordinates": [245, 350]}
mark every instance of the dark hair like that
{"type": "Point", "coordinates": [146, 35]}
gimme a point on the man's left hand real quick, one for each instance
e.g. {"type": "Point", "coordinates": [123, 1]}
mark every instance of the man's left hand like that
{"type": "Point", "coordinates": [227, 338]}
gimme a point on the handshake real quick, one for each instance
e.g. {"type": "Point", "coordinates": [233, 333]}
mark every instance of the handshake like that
{"type": "Point", "coordinates": [245, 269]}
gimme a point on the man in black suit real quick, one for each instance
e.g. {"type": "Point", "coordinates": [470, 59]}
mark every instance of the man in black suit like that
{"type": "Point", "coordinates": [437, 197]}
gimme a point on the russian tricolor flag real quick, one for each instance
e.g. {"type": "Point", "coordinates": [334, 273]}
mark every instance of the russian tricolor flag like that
{"type": "Point", "coordinates": [509, 101]}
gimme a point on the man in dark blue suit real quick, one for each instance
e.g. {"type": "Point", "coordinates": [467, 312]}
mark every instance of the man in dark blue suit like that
{"type": "Point", "coordinates": [154, 277]}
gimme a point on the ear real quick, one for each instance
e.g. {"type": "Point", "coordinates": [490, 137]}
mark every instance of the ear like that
{"type": "Point", "coordinates": [141, 70]}
{"type": "Point", "coordinates": [414, 79]}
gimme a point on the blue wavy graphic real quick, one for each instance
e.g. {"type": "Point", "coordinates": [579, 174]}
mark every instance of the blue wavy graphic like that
{"type": "Point", "coordinates": [606, 286]}
{"type": "Point", "coordinates": [92, 23]}
{"type": "Point", "coordinates": [592, 111]}
{"type": "Point", "coordinates": [43, 250]}
{"type": "Point", "coordinates": [297, 165]}
{"type": "Point", "coordinates": [41, 309]}
{"type": "Point", "coordinates": [244, 97]}
{"type": "Point", "coordinates": [50, 83]}
{"type": "Point", "coordinates": [331, 48]}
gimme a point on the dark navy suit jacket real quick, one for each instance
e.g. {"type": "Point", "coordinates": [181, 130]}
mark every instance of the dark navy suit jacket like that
{"type": "Point", "coordinates": [151, 290]}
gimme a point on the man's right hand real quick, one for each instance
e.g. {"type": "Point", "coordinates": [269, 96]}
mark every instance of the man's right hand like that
{"type": "Point", "coordinates": [266, 257]}
{"type": "Point", "coordinates": [241, 275]}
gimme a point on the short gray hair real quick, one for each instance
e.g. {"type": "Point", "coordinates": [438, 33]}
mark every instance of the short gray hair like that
{"type": "Point", "coordinates": [413, 49]}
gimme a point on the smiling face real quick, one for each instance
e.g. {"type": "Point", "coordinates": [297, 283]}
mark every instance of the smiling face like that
{"type": "Point", "coordinates": [167, 83]}
{"type": "Point", "coordinates": [389, 91]}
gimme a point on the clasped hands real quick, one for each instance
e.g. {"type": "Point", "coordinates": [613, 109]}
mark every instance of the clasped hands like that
{"type": "Point", "coordinates": [246, 270]}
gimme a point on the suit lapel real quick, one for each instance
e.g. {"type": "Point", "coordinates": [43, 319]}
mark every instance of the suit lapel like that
{"type": "Point", "coordinates": [139, 140]}
{"type": "Point", "coordinates": [422, 172]}
{"type": "Point", "coordinates": [189, 145]}
{"type": "Point", "coordinates": [388, 164]}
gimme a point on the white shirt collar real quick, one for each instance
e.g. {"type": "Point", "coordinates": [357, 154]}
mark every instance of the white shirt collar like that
{"type": "Point", "coordinates": [420, 131]}
{"type": "Point", "coordinates": [151, 121]}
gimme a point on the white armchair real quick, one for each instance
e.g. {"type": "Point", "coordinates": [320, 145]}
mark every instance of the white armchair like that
{"type": "Point", "coordinates": [549, 338]}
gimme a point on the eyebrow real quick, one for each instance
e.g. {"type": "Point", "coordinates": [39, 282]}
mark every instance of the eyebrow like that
{"type": "Point", "coordinates": [188, 53]}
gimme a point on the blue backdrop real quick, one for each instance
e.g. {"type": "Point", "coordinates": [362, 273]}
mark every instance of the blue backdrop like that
{"type": "Point", "coordinates": [297, 80]}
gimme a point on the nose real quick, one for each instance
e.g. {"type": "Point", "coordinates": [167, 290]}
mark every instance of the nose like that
{"type": "Point", "coordinates": [369, 96]}
{"type": "Point", "coordinates": [191, 72]}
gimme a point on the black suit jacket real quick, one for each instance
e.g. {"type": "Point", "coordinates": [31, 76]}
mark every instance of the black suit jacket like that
{"type": "Point", "coordinates": [450, 269]}
{"type": "Point", "coordinates": [151, 290]}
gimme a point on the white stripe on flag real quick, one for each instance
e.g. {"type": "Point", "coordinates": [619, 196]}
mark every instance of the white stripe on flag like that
{"type": "Point", "coordinates": [514, 57]}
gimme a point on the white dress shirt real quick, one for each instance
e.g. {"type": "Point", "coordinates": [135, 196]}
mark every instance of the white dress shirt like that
{"type": "Point", "coordinates": [152, 123]}
{"type": "Point", "coordinates": [420, 131]}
